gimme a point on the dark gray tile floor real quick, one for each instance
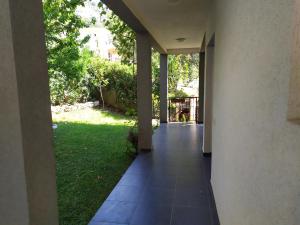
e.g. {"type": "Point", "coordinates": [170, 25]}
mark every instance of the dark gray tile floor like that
{"type": "Point", "coordinates": [168, 186]}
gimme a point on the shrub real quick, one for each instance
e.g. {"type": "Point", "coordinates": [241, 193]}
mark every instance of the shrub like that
{"type": "Point", "coordinates": [115, 76]}
{"type": "Point", "coordinates": [66, 88]}
{"type": "Point", "coordinates": [132, 140]}
{"type": "Point", "coordinates": [178, 94]}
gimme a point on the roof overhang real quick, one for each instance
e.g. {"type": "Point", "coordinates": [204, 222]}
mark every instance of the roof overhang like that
{"type": "Point", "coordinates": [175, 26]}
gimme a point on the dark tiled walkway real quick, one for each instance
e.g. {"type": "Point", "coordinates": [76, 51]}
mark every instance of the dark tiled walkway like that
{"type": "Point", "coordinates": [169, 186]}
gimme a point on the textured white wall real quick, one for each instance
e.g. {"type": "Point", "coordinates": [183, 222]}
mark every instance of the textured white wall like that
{"type": "Point", "coordinates": [144, 91]}
{"type": "Point", "coordinates": [256, 151]}
{"type": "Point", "coordinates": [294, 100]}
{"type": "Point", "coordinates": [13, 195]}
{"type": "Point", "coordinates": [27, 166]}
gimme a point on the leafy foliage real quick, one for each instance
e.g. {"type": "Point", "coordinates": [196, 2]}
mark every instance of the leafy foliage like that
{"type": "Point", "coordinates": [117, 77]}
{"type": "Point", "coordinates": [123, 36]}
{"type": "Point", "coordinates": [66, 64]}
{"type": "Point", "coordinates": [65, 89]}
{"type": "Point", "coordinates": [182, 68]}
{"type": "Point", "coordinates": [77, 75]}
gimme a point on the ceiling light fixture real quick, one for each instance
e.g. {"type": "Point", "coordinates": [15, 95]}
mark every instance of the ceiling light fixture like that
{"type": "Point", "coordinates": [181, 39]}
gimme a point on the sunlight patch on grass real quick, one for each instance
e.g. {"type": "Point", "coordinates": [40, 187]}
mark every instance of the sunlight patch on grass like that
{"type": "Point", "coordinates": [91, 116]}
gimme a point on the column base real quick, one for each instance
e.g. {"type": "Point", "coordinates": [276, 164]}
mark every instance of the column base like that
{"type": "Point", "coordinates": [145, 150]}
{"type": "Point", "coordinates": [207, 154]}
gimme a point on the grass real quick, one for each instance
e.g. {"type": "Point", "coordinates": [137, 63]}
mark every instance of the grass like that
{"type": "Point", "coordinates": [90, 150]}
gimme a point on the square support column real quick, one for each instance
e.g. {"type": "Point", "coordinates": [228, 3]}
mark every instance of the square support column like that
{"type": "Point", "coordinates": [163, 88]}
{"type": "Point", "coordinates": [144, 92]}
{"type": "Point", "coordinates": [27, 165]}
{"type": "Point", "coordinates": [201, 86]}
{"type": "Point", "coordinates": [208, 98]}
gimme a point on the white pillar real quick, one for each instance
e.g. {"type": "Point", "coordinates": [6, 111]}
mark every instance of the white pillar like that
{"type": "Point", "coordinates": [208, 98]}
{"type": "Point", "coordinates": [163, 88]}
{"type": "Point", "coordinates": [144, 92]}
{"type": "Point", "coordinates": [201, 86]}
{"type": "Point", "coordinates": [27, 165]}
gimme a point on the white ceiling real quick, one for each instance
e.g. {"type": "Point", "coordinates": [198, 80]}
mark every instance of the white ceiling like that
{"type": "Point", "coordinates": [168, 20]}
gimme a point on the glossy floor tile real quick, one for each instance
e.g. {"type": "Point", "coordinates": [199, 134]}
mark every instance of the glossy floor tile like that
{"type": "Point", "coordinates": [168, 186]}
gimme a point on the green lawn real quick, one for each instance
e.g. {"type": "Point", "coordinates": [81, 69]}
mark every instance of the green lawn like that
{"type": "Point", "coordinates": [90, 150]}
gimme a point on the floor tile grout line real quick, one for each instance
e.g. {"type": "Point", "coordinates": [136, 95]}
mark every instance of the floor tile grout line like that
{"type": "Point", "coordinates": [173, 200]}
{"type": "Point", "coordinates": [139, 202]}
{"type": "Point", "coordinates": [178, 183]}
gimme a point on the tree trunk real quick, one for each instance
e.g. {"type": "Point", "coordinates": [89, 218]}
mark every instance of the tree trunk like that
{"type": "Point", "coordinates": [101, 95]}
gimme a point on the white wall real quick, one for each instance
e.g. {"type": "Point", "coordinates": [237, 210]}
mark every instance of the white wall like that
{"type": "Point", "coordinates": [27, 166]}
{"type": "Point", "coordinates": [256, 151]}
{"type": "Point", "coordinates": [12, 175]}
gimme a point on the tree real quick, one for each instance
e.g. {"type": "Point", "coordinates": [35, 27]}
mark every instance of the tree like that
{"type": "Point", "coordinates": [62, 31]}
{"type": "Point", "coordinates": [97, 69]}
{"type": "Point", "coordinates": [182, 68]}
{"type": "Point", "coordinates": [124, 37]}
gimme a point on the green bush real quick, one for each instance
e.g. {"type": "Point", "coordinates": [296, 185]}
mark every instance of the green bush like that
{"type": "Point", "coordinates": [178, 94]}
{"type": "Point", "coordinates": [70, 89]}
{"type": "Point", "coordinates": [96, 72]}
{"type": "Point", "coordinates": [115, 76]}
